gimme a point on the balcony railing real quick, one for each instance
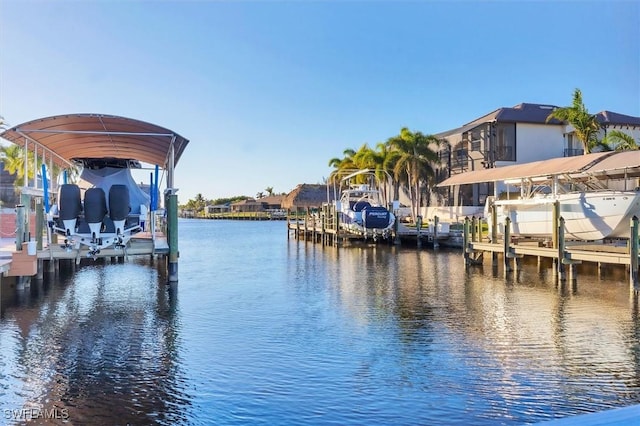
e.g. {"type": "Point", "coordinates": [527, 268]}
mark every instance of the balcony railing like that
{"type": "Point", "coordinates": [573, 152]}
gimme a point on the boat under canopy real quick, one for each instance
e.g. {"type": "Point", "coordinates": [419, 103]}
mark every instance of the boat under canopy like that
{"type": "Point", "coordinates": [105, 148]}
{"type": "Point", "coordinates": [579, 188]}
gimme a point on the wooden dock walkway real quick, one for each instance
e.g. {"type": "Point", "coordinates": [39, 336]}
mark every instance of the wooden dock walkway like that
{"type": "Point", "coordinates": [566, 255]}
{"type": "Point", "coordinates": [322, 226]}
{"type": "Point", "coordinates": [22, 264]}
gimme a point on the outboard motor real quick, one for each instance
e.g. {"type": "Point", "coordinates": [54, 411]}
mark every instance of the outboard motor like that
{"type": "Point", "coordinates": [69, 206]}
{"type": "Point", "coordinates": [375, 217]}
{"type": "Point", "coordinates": [119, 206]}
{"type": "Point", "coordinates": [95, 209]}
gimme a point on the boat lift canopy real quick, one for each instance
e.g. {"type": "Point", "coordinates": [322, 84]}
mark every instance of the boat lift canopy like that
{"type": "Point", "coordinates": [71, 136]}
{"type": "Point", "coordinates": [601, 165]}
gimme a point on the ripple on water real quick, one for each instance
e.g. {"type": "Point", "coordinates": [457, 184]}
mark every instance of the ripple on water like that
{"type": "Point", "coordinates": [267, 331]}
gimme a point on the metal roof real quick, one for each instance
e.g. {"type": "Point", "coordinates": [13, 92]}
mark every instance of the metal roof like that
{"type": "Point", "coordinates": [604, 164]}
{"type": "Point", "coordinates": [538, 114]}
{"type": "Point", "coordinates": [77, 136]}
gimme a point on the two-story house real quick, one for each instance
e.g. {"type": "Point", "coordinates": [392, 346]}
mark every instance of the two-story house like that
{"type": "Point", "coordinates": [515, 135]}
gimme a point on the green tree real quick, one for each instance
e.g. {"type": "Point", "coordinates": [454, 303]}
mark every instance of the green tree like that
{"type": "Point", "coordinates": [12, 157]}
{"type": "Point", "coordinates": [616, 140]}
{"type": "Point", "coordinates": [269, 190]}
{"type": "Point", "coordinates": [415, 156]}
{"type": "Point", "coordinates": [586, 126]}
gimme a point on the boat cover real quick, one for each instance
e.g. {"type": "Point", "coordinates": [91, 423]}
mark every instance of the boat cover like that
{"type": "Point", "coordinates": [107, 176]}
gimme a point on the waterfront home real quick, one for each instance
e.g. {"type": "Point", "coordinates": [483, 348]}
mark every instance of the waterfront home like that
{"type": "Point", "coordinates": [516, 135]}
{"type": "Point", "coordinates": [218, 208]}
{"type": "Point", "coordinates": [264, 204]}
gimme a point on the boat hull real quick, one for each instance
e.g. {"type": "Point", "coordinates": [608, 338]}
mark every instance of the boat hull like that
{"type": "Point", "coordinates": [587, 216]}
{"type": "Point", "coordinates": [374, 223]}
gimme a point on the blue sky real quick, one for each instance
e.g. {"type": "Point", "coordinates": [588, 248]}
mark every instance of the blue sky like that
{"type": "Point", "coordinates": [268, 91]}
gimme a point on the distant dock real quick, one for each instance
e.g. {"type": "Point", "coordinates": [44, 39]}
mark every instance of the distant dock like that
{"type": "Point", "coordinates": [323, 226]}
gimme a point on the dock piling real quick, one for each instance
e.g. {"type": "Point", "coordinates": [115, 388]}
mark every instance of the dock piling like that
{"type": "Point", "coordinates": [634, 252]}
{"type": "Point", "coordinates": [172, 235]}
{"type": "Point", "coordinates": [507, 244]}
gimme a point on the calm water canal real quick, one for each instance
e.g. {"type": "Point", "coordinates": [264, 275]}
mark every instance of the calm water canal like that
{"type": "Point", "coordinates": [262, 330]}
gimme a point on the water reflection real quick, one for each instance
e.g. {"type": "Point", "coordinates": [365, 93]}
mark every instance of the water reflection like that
{"type": "Point", "coordinates": [518, 347]}
{"type": "Point", "coordinates": [96, 344]}
{"type": "Point", "coordinates": [271, 331]}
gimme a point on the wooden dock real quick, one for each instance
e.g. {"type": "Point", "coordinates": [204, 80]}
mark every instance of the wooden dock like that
{"type": "Point", "coordinates": [323, 226]}
{"type": "Point", "coordinates": [566, 255]}
{"type": "Point", "coordinates": [21, 263]}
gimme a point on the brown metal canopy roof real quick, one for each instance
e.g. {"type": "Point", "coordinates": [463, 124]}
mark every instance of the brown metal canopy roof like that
{"type": "Point", "coordinates": [603, 164]}
{"type": "Point", "coordinates": [78, 136]}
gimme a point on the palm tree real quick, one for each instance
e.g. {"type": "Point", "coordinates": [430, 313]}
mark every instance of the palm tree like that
{"type": "Point", "coordinates": [380, 161]}
{"type": "Point", "coordinates": [616, 140]}
{"type": "Point", "coordinates": [414, 163]}
{"type": "Point", "coordinates": [586, 126]}
{"type": "Point", "coordinates": [199, 203]}
{"type": "Point", "coordinates": [269, 190]}
{"type": "Point", "coordinates": [12, 157]}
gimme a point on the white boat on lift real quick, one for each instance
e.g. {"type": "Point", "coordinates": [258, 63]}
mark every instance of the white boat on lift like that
{"type": "Point", "coordinates": [361, 209]}
{"type": "Point", "coordinates": [588, 215]}
{"type": "Point", "coordinates": [581, 186]}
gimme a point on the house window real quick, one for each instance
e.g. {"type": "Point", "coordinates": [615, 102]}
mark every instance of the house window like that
{"type": "Point", "coordinates": [574, 147]}
{"type": "Point", "coordinates": [505, 139]}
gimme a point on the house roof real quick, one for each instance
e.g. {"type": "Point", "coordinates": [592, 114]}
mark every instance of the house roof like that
{"type": "Point", "coordinates": [521, 113]}
{"type": "Point", "coordinates": [248, 201]}
{"type": "Point", "coordinates": [306, 195]}
{"type": "Point", "coordinates": [537, 114]}
{"type": "Point", "coordinates": [79, 136]}
{"type": "Point", "coordinates": [272, 199]}
{"type": "Point", "coordinates": [603, 164]}
{"type": "Point", "coordinates": [608, 118]}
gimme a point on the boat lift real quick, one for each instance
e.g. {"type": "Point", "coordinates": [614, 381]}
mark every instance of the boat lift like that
{"type": "Point", "coordinates": [55, 143]}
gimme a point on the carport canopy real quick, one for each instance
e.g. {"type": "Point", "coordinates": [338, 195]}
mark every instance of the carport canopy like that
{"type": "Point", "coordinates": [80, 136]}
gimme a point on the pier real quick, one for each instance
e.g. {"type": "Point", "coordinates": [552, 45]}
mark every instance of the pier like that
{"type": "Point", "coordinates": [565, 255]}
{"type": "Point", "coordinates": [322, 226]}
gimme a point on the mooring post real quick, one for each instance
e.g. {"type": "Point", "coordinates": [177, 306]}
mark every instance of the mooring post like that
{"type": "Point", "coordinates": [418, 227]}
{"type": "Point", "coordinates": [465, 242]}
{"type": "Point", "coordinates": [172, 224]}
{"type": "Point", "coordinates": [555, 222]}
{"type": "Point", "coordinates": [436, 221]}
{"type": "Point", "coordinates": [507, 244]}
{"type": "Point", "coordinates": [336, 221]}
{"type": "Point", "coordinates": [474, 229]}
{"type": "Point", "coordinates": [561, 249]}
{"type": "Point", "coordinates": [20, 225]}
{"type": "Point", "coordinates": [633, 270]}
{"type": "Point", "coordinates": [39, 223]}
{"type": "Point", "coordinates": [494, 234]}
{"type": "Point", "coordinates": [288, 222]}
